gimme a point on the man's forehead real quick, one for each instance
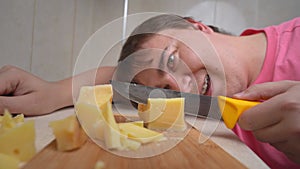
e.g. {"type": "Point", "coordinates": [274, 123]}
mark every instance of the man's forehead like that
{"type": "Point", "coordinates": [158, 41]}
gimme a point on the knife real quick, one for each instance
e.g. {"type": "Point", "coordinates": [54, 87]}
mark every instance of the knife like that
{"type": "Point", "coordinates": [195, 105]}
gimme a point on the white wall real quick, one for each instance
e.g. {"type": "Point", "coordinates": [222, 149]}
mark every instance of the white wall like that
{"type": "Point", "coordinates": [45, 36]}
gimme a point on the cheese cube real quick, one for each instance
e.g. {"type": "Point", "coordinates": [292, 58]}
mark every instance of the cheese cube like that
{"type": "Point", "coordinates": [68, 133]}
{"type": "Point", "coordinates": [163, 113]}
{"type": "Point", "coordinates": [8, 162]}
{"type": "Point", "coordinates": [139, 134]}
{"type": "Point", "coordinates": [19, 141]}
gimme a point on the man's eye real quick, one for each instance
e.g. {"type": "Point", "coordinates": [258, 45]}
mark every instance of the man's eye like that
{"type": "Point", "coordinates": [171, 62]}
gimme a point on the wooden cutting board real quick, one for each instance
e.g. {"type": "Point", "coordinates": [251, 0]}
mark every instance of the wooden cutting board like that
{"type": "Point", "coordinates": [187, 154]}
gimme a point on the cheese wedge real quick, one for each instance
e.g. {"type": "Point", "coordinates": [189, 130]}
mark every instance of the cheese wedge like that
{"type": "Point", "coordinates": [68, 133]}
{"type": "Point", "coordinates": [88, 108]}
{"type": "Point", "coordinates": [18, 141]}
{"type": "Point", "coordinates": [8, 162]}
{"type": "Point", "coordinates": [139, 134]}
{"type": "Point", "coordinates": [112, 136]}
{"type": "Point", "coordinates": [163, 113]}
{"type": "Point", "coordinates": [91, 119]}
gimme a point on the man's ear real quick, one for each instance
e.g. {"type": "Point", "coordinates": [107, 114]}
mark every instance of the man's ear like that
{"type": "Point", "coordinates": [200, 25]}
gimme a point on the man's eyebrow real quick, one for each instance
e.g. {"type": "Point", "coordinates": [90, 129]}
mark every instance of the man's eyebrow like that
{"type": "Point", "coordinates": [161, 64]}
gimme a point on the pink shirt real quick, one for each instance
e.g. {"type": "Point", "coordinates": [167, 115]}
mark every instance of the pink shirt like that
{"type": "Point", "coordinates": [282, 62]}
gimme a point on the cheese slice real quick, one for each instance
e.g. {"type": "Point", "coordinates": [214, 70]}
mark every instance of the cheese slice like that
{"type": "Point", "coordinates": [18, 141]}
{"type": "Point", "coordinates": [129, 143]}
{"type": "Point", "coordinates": [139, 134]}
{"type": "Point", "coordinates": [68, 133]}
{"type": "Point", "coordinates": [163, 113]}
{"type": "Point", "coordinates": [112, 136]}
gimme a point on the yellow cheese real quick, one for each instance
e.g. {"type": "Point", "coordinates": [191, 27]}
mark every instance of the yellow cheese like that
{"type": "Point", "coordinates": [7, 120]}
{"type": "Point", "coordinates": [99, 94]}
{"type": "Point", "coordinates": [68, 133]}
{"type": "Point", "coordinates": [88, 108]}
{"type": "Point", "coordinates": [139, 134]}
{"type": "Point", "coordinates": [111, 129]}
{"type": "Point", "coordinates": [91, 119]}
{"type": "Point", "coordinates": [94, 111]}
{"type": "Point", "coordinates": [19, 141]}
{"type": "Point", "coordinates": [8, 162]}
{"type": "Point", "coordinates": [129, 143]}
{"type": "Point", "coordinates": [163, 113]}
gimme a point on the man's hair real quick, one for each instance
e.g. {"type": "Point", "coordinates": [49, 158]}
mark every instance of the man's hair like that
{"type": "Point", "coordinates": [150, 27]}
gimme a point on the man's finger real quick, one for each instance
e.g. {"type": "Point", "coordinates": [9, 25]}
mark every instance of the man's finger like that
{"type": "Point", "coordinates": [265, 91]}
{"type": "Point", "coordinates": [18, 104]}
{"type": "Point", "coordinates": [261, 115]}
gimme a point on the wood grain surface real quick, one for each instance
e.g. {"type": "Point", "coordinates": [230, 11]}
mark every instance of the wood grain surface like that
{"type": "Point", "coordinates": [187, 154]}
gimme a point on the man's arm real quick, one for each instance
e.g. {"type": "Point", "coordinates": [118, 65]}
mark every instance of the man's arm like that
{"type": "Point", "coordinates": [22, 92]}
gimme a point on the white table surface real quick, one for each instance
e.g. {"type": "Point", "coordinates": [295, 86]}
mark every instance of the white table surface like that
{"type": "Point", "coordinates": [222, 136]}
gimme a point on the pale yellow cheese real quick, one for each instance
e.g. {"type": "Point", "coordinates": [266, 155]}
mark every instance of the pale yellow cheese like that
{"type": "Point", "coordinates": [129, 143]}
{"type": "Point", "coordinates": [91, 119]}
{"type": "Point", "coordinates": [139, 134]}
{"type": "Point", "coordinates": [112, 136]}
{"type": "Point", "coordinates": [99, 94]}
{"type": "Point", "coordinates": [19, 141]}
{"type": "Point", "coordinates": [89, 108]}
{"type": "Point", "coordinates": [163, 113]}
{"type": "Point", "coordinates": [68, 133]}
{"type": "Point", "coordinates": [7, 121]}
{"type": "Point", "coordinates": [8, 162]}
{"type": "Point", "coordinates": [94, 111]}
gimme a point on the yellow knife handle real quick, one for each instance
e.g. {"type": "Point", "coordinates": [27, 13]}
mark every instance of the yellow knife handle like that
{"type": "Point", "coordinates": [231, 109]}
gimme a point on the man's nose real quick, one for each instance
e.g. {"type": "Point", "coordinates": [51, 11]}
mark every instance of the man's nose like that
{"type": "Point", "coordinates": [167, 81]}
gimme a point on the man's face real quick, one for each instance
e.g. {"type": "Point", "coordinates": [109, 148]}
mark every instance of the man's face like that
{"type": "Point", "coordinates": [184, 62]}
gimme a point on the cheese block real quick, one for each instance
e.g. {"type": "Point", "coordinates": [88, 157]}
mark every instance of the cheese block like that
{"type": "Point", "coordinates": [99, 94]}
{"type": "Point", "coordinates": [18, 141]}
{"type": "Point", "coordinates": [112, 136]}
{"type": "Point", "coordinates": [91, 119]}
{"type": "Point", "coordinates": [88, 108]}
{"type": "Point", "coordinates": [163, 114]}
{"type": "Point", "coordinates": [8, 162]}
{"type": "Point", "coordinates": [68, 133]}
{"type": "Point", "coordinates": [94, 111]}
{"type": "Point", "coordinates": [140, 134]}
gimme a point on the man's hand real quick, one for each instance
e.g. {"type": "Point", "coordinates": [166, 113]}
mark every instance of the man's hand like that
{"type": "Point", "coordinates": [277, 119]}
{"type": "Point", "coordinates": [22, 92]}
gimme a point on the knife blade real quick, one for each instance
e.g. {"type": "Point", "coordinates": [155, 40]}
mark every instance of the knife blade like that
{"type": "Point", "coordinates": [195, 105]}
